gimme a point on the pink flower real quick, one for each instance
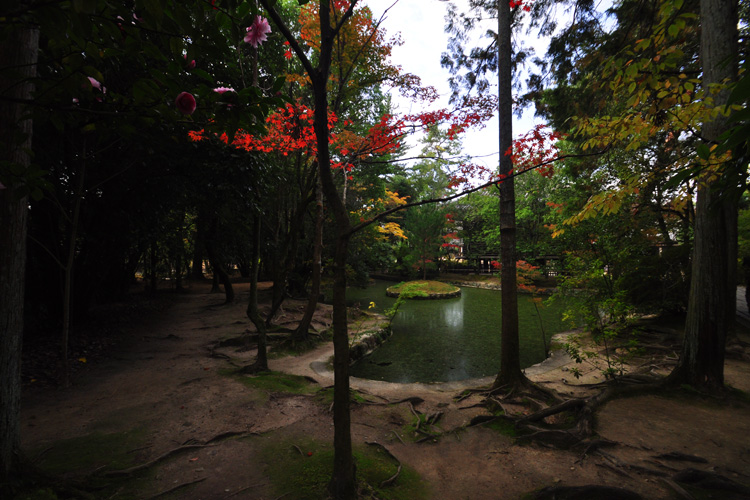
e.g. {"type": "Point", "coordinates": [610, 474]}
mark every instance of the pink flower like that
{"type": "Point", "coordinates": [95, 83]}
{"type": "Point", "coordinates": [185, 103]}
{"type": "Point", "coordinates": [221, 90]}
{"type": "Point", "coordinates": [191, 64]}
{"type": "Point", "coordinates": [256, 32]}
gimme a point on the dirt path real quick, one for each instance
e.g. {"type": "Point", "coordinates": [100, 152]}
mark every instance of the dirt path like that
{"type": "Point", "coordinates": [164, 382]}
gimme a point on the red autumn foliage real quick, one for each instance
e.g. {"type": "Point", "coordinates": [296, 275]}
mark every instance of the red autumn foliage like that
{"type": "Point", "coordinates": [520, 3]}
{"type": "Point", "coordinates": [537, 147]}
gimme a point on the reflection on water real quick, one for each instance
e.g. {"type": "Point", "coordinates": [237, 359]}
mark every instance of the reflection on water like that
{"type": "Point", "coordinates": [450, 339]}
{"type": "Point", "coordinates": [453, 315]}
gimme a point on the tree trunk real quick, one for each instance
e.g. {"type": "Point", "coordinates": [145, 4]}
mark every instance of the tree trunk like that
{"type": "Point", "coordinates": [152, 267]}
{"type": "Point", "coordinates": [710, 309]}
{"type": "Point", "coordinates": [68, 272]}
{"type": "Point", "coordinates": [261, 362]}
{"type": "Point", "coordinates": [217, 264]}
{"type": "Point", "coordinates": [301, 334]}
{"type": "Point", "coordinates": [343, 485]}
{"type": "Point", "coordinates": [287, 257]}
{"type": "Point", "coordinates": [18, 51]}
{"type": "Point", "coordinates": [510, 364]}
{"type": "Point", "coordinates": [221, 275]}
{"type": "Point", "coordinates": [196, 268]}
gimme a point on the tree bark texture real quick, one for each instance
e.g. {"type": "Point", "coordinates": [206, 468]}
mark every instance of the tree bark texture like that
{"type": "Point", "coordinates": [18, 57]}
{"type": "Point", "coordinates": [710, 307]}
{"type": "Point", "coordinates": [510, 366]}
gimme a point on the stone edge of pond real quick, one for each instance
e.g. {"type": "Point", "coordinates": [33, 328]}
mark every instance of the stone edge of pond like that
{"type": "Point", "coordinates": [366, 342]}
{"type": "Point", "coordinates": [490, 286]}
{"type": "Point", "coordinates": [557, 359]}
{"type": "Point", "coordinates": [474, 284]}
{"type": "Point", "coordinates": [429, 296]}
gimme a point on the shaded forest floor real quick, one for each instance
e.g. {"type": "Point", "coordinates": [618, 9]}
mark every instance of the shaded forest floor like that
{"type": "Point", "coordinates": [158, 377]}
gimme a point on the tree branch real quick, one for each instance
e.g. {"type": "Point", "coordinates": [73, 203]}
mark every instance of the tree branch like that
{"type": "Point", "coordinates": [276, 18]}
{"type": "Point", "coordinates": [495, 182]}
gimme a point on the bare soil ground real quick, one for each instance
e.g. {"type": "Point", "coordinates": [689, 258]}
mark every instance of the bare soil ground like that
{"type": "Point", "coordinates": [166, 376]}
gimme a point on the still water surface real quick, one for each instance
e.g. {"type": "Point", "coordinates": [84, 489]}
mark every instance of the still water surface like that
{"type": "Point", "coordinates": [450, 339]}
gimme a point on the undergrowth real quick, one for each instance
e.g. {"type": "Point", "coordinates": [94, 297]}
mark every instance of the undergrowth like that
{"type": "Point", "coordinates": [275, 382]}
{"type": "Point", "coordinates": [71, 468]}
{"type": "Point", "coordinates": [301, 469]}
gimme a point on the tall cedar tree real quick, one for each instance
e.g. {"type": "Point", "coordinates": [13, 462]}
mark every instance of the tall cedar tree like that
{"type": "Point", "coordinates": [18, 51]}
{"type": "Point", "coordinates": [712, 289]}
{"type": "Point", "coordinates": [510, 361]}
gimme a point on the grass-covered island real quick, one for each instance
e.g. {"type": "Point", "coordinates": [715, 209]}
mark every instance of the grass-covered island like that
{"type": "Point", "coordinates": [423, 289]}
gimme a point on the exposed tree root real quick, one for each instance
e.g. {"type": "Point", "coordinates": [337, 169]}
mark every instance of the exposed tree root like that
{"type": "Point", "coordinates": [713, 482]}
{"type": "Point", "coordinates": [676, 455]}
{"type": "Point", "coordinates": [230, 434]}
{"type": "Point", "coordinates": [132, 470]}
{"type": "Point", "coordinates": [412, 400]}
{"type": "Point", "coordinates": [188, 445]}
{"type": "Point", "coordinates": [175, 488]}
{"type": "Point", "coordinates": [253, 369]}
{"type": "Point", "coordinates": [241, 490]}
{"type": "Point", "coordinates": [392, 479]}
{"type": "Point", "coordinates": [563, 424]}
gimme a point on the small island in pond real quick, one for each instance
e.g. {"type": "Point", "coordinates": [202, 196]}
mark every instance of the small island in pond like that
{"type": "Point", "coordinates": [424, 289]}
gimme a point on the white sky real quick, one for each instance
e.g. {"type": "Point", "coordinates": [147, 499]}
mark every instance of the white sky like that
{"type": "Point", "coordinates": [421, 24]}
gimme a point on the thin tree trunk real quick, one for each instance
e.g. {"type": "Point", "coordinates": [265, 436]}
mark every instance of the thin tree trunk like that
{"type": "Point", "coordinates": [179, 257]}
{"type": "Point", "coordinates": [301, 334]}
{"type": "Point", "coordinates": [199, 246]}
{"type": "Point", "coordinates": [18, 51]}
{"type": "Point", "coordinates": [68, 271]}
{"type": "Point", "coordinates": [710, 307]}
{"type": "Point", "coordinates": [221, 275]}
{"type": "Point", "coordinates": [152, 266]}
{"type": "Point", "coordinates": [218, 265]}
{"type": "Point", "coordinates": [343, 484]}
{"type": "Point", "coordinates": [261, 362]}
{"type": "Point", "coordinates": [510, 364]}
{"type": "Point", "coordinates": [288, 254]}
{"type": "Point", "coordinates": [196, 269]}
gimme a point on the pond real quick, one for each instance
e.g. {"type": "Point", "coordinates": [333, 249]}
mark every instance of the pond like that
{"type": "Point", "coordinates": [451, 339]}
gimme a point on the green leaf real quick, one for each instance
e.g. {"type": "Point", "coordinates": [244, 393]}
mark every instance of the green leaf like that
{"type": "Point", "coordinates": [741, 91]}
{"type": "Point", "coordinates": [154, 10]}
{"type": "Point", "coordinates": [243, 10]}
{"type": "Point", "coordinates": [203, 74]}
{"type": "Point", "coordinates": [278, 84]}
{"type": "Point", "coordinates": [703, 151]}
{"type": "Point", "coordinates": [84, 6]}
{"type": "Point", "coordinates": [679, 178]}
